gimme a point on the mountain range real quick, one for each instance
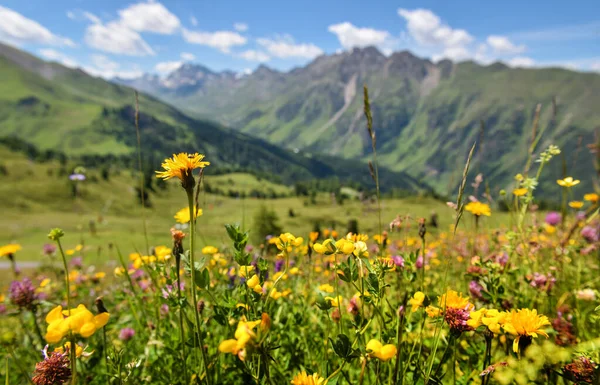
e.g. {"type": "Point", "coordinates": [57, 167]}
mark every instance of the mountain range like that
{"type": "Point", "coordinates": [52, 107]}
{"type": "Point", "coordinates": [427, 115]}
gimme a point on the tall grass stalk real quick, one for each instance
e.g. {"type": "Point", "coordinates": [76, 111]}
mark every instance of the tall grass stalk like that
{"type": "Point", "coordinates": [373, 166]}
{"type": "Point", "coordinates": [141, 168]}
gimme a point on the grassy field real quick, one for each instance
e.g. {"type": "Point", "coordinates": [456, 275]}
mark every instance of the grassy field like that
{"type": "Point", "coordinates": [39, 198]}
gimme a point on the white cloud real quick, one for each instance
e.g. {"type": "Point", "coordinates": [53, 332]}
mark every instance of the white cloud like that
{"type": "Point", "coordinates": [240, 27]}
{"type": "Point", "coordinates": [351, 36]}
{"type": "Point", "coordinates": [193, 20]}
{"type": "Point", "coordinates": [286, 47]}
{"type": "Point", "coordinates": [168, 66]}
{"type": "Point", "coordinates": [221, 40]}
{"type": "Point", "coordinates": [104, 63]}
{"type": "Point", "coordinates": [71, 15]}
{"type": "Point", "coordinates": [595, 66]}
{"type": "Point", "coordinates": [59, 57]}
{"type": "Point", "coordinates": [427, 29]}
{"type": "Point", "coordinates": [253, 55]}
{"type": "Point", "coordinates": [91, 17]}
{"type": "Point", "coordinates": [456, 53]}
{"type": "Point", "coordinates": [187, 56]}
{"type": "Point", "coordinates": [17, 29]}
{"type": "Point", "coordinates": [149, 17]}
{"type": "Point", "coordinates": [116, 38]}
{"type": "Point", "coordinates": [503, 46]}
{"type": "Point", "coordinates": [521, 61]}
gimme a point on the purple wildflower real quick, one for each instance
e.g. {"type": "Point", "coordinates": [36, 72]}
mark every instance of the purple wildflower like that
{"type": "Point", "coordinates": [279, 265]}
{"type": "Point", "coordinates": [475, 289]}
{"type": "Point", "coordinates": [164, 309]}
{"type": "Point", "coordinates": [77, 177]}
{"type": "Point", "coordinates": [553, 218]}
{"type": "Point", "coordinates": [126, 334]}
{"type": "Point", "coordinates": [419, 262]}
{"type": "Point", "coordinates": [457, 319]}
{"type": "Point", "coordinates": [77, 262]}
{"type": "Point", "coordinates": [590, 234]}
{"type": "Point", "coordinates": [49, 249]}
{"type": "Point", "coordinates": [398, 261]}
{"type": "Point", "coordinates": [22, 293]}
{"type": "Point", "coordinates": [543, 282]}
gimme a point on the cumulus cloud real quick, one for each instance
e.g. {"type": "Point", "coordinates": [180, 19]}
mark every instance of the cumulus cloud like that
{"type": "Point", "coordinates": [240, 27]}
{"type": "Point", "coordinates": [503, 46]}
{"type": "Point", "coordinates": [221, 40]}
{"type": "Point", "coordinates": [187, 56]}
{"type": "Point", "coordinates": [193, 20]}
{"type": "Point", "coordinates": [17, 29]}
{"type": "Point", "coordinates": [168, 66]}
{"type": "Point", "coordinates": [427, 29]}
{"type": "Point", "coordinates": [351, 36]}
{"type": "Point", "coordinates": [285, 47]}
{"type": "Point", "coordinates": [116, 38]}
{"type": "Point", "coordinates": [151, 16]}
{"type": "Point", "coordinates": [59, 57]}
{"type": "Point", "coordinates": [521, 61]}
{"type": "Point", "coordinates": [103, 67]}
{"type": "Point", "coordinates": [253, 55]}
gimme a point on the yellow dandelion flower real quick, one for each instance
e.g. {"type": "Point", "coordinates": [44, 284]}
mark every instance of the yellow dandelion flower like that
{"type": "Point", "coordinates": [519, 192]}
{"type": "Point", "coordinates": [181, 166]}
{"type": "Point", "coordinates": [568, 182]}
{"type": "Point", "coordinates": [576, 204]}
{"type": "Point", "coordinates": [304, 379]}
{"type": "Point", "coordinates": [592, 197]}
{"type": "Point", "coordinates": [9, 249]}
{"type": "Point", "coordinates": [478, 209]}
{"type": "Point", "coordinates": [525, 324]}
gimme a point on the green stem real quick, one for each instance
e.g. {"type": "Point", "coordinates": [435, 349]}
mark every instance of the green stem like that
{"type": "Point", "coordinates": [73, 349]}
{"type": "Point", "coordinates": [181, 329]}
{"type": "Point", "coordinates": [190, 195]}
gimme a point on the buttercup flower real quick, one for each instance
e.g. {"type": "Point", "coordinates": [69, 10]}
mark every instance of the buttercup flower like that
{"type": "Point", "coordinates": [576, 204]}
{"type": "Point", "coordinates": [568, 182]}
{"type": "Point", "coordinates": [9, 249]}
{"type": "Point", "coordinates": [519, 192]}
{"type": "Point", "coordinates": [592, 197]}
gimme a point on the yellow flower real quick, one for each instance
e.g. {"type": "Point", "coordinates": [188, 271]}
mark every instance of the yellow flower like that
{"type": "Point", "coordinates": [245, 271]}
{"type": "Point", "coordinates": [416, 301]}
{"type": "Point", "coordinates": [382, 352]}
{"type": "Point", "coordinates": [334, 302]}
{"type": "Point", "coordinates": [520, 192]}
{"type": "Point", "coordinates": [162, 253]}
{"type": "Point", "coordinates": [525, 323]}
{"type": "Point", "coordinates": [70, 252]}
{"type": "Point", "coordinates": [360, 249]}
{"type": "Point", "coordinates": [568, 182]}
{"type": "Point", "coordinates": [209, 250]}
{"type": "Point", "coordinates": [304, 379]}
{"type": "Point", "coordinates": [576, 204]}
{"type": "Point", "coordinates": [549, 228]}
{"type": "Point", "coordinates": [327, 247]}
{"type": "Point", "coordinates": [478, 209]}
{"type": "Point", "coordinates": [327, 288]}
{"type": "Point", "coordinates": [79, 321]}
{"type": "Point", "coordinates": [243, 335]}
{"type": "Point", "coordinates": [67, 346]}
{"type": "Point", "coordinates": [592, 197]}
{"type": "Point", "coordinates": [183, 215]}
{"type": "Point", "coordinates": [344, 246]}
{"type": "Point", "coordinates": [9, 249]}
{"type": "Point", "coordinates": [491, 318]}
{"type": "Point", "coordinates": [433, 311]}
{"type": "Point", "coordinates": [452, 299]}
{"type": "Point", "coordinates": [181, 166]}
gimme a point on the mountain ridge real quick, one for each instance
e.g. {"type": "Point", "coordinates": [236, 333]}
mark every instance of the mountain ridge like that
{"type": "Point", "coordinates": [426, 114]}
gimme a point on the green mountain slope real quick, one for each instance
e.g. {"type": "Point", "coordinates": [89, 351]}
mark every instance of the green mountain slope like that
{"type": "Point", "coordinates": [56, 108]}
{"type": "Point", "coordinates": [427, 115]}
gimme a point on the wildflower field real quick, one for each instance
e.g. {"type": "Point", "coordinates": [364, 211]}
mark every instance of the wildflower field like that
{"type": "Point", "coordinates": [459, 297]}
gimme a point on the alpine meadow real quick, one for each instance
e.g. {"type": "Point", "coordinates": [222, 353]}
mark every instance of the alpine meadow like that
{"type": "Point", "coordinates": [263, 193]}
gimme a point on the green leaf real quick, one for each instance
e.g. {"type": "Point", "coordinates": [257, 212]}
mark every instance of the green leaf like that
{"type": "Point", "coordinates": [202, 278]}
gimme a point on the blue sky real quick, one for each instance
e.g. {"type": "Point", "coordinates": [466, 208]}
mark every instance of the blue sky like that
{"type": "Point", "coordinates": [126, 38]}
